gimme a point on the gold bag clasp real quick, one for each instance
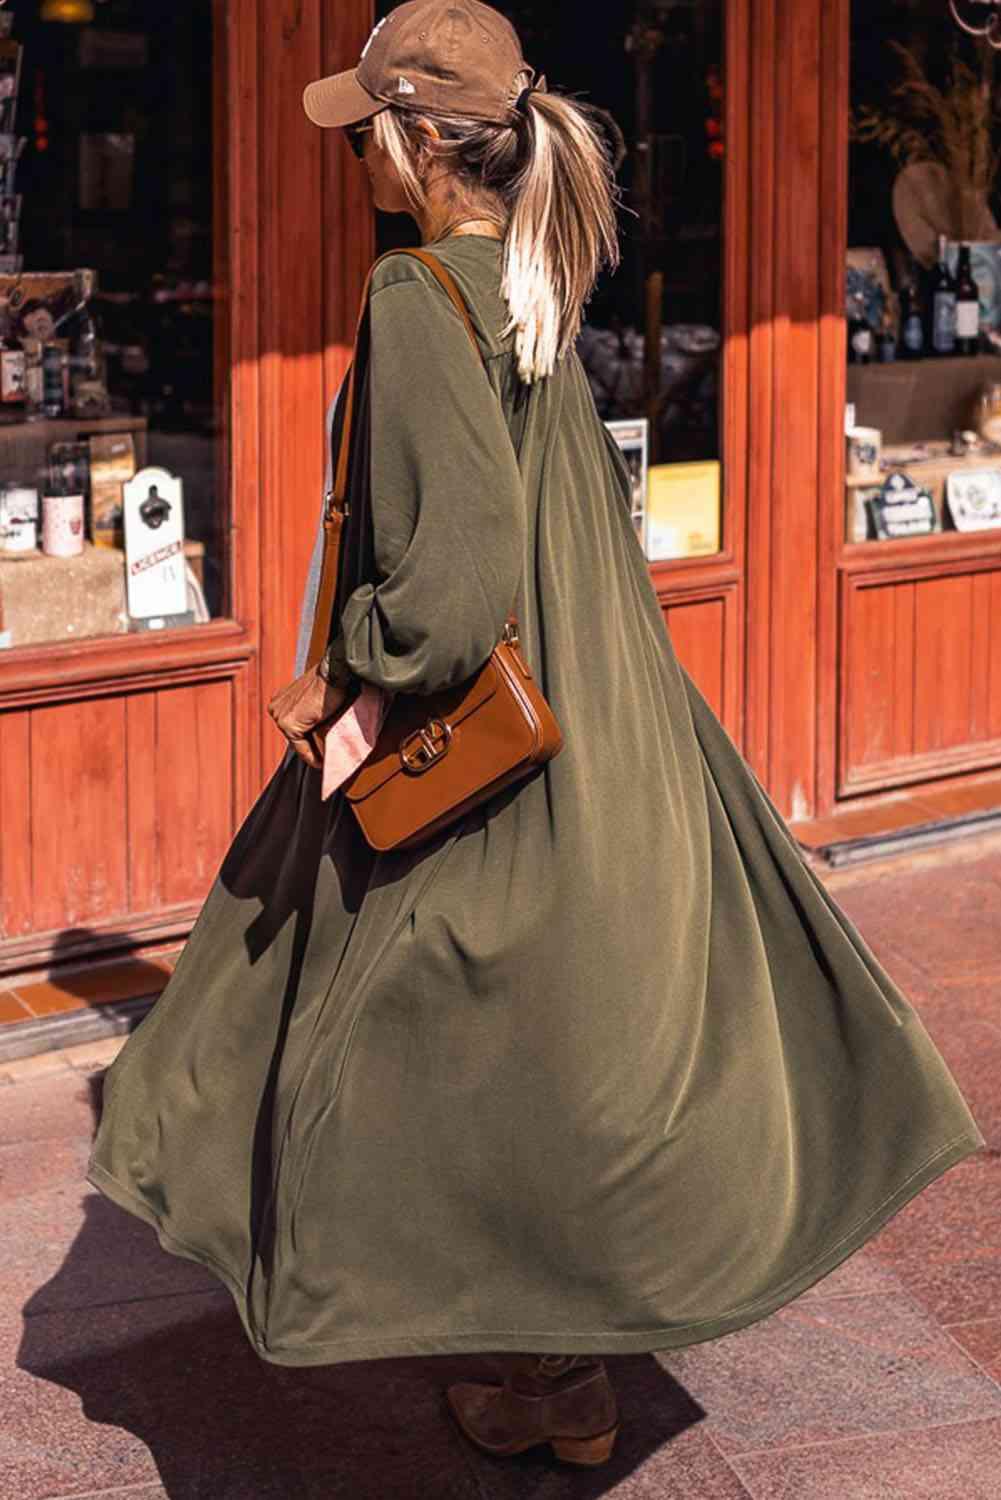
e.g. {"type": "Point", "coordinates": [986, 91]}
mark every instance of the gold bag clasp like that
{"type": "Point", "coordinates": [425, 746]}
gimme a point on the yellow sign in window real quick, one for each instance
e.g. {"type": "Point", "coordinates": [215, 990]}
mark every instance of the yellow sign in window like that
{"type": "Point", "coordinates": [683, 508]}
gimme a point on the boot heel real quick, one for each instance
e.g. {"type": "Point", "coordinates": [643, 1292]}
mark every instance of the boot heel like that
{"type": "Point", "coordinates": [590, 1450]}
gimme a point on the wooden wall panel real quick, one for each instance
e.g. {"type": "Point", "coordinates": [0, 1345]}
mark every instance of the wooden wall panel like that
{"type": "Point", "coordinates": [982, 588]}
{"type": "Point", "coordinates": [990, 609]}
{"type": "Point", "coordinates": [241, 103]}
{"type": "Point", "coordinates": [794, 335]}
{"type": "Point", "coordinates": [793, 503]}
{"type": "Point", "coordinates": [193, 787]}
{"type": "Point", "coordinates": [943, 666]}
{"type": "Point", "coordinates": [115, 812]}
{"type": "Point", "coordinates": [705, 628]}
{"type": "Point", "coordinates": [78, 813]}
{"type": "Point", "coordinates": [15, 825]}
{"type": "Point", "coordinates": [899, 685]}
{"type": "Point", "coordinates": [141, 801]}
{"type": "Point", "coordinates": [760, 251]}
{"type": "Point", "coordinates": [736, 361]}
{"type": "Point", "coordinates": [349, 223]}
{"type": "Point", "coordinates": [868, 726]}
{"type": "Point", "coordinates": [835, 84]}
{"type": "Point", "coordinates": [290, 288]}
{"type": "Point", "coordinates": [920, 687]}
{"type": "Point", "coordinates": [699, 637]}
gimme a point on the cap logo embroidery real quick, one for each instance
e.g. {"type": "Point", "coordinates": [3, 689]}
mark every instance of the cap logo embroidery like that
{"type": "Point", "coordinates": [375, 33]}
{"type": "Point", "coordinates": [404, 86]}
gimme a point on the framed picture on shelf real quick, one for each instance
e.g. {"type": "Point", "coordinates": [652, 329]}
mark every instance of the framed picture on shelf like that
{"type": "Point", "coordinates": [901, 508]}
{"type": "Point", "coordinates": [974, 498]}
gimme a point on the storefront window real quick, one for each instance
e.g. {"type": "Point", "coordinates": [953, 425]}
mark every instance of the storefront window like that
{"type": "Point", "coordinates": [656, 69]}
{"type": "Point", "coordinates": [924, 272]}
{"type": "Point", "coordinates": [112, 368]}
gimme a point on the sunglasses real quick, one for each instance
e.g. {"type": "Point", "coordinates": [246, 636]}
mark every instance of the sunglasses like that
{"type": "Point", "coordinates": [355, 135]}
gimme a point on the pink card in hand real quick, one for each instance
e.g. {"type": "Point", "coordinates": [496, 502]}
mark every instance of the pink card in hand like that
{"type": "Point", "coordinates": [352, 738]}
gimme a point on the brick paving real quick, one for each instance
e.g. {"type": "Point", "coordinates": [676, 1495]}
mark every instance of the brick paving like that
{"type": "Point", "coordinates": [124, 1371]}
{"type": "Point", "coordinates": [77, 990]}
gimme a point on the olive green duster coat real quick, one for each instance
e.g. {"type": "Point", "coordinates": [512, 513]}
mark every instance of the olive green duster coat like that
{"type": "Point", "coordinates": [603, 1068]}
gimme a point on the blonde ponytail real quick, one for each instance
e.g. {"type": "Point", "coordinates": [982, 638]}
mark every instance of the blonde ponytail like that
{"type": "Point", "coordinates": [561, 231]}
{"type": "Point", "coordinates": [549, 173]}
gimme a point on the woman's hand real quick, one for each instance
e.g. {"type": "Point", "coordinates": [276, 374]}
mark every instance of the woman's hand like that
{"type": "Point", "coordinates": [298, 709]}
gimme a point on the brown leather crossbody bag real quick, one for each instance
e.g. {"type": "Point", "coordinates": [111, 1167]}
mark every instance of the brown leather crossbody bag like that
{"type": "Point", "coordinates": [438, 754]}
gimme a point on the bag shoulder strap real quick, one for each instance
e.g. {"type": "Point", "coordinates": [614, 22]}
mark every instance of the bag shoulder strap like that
{"type": "Point", "coordinates": [442, 276]}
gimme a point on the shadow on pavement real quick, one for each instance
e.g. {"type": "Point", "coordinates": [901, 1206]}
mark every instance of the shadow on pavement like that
{"type": "Point", "coordinates": [176, 1370]}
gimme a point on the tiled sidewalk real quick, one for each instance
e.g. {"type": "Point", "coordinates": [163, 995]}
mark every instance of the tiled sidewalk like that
{"type": "Point", "coordinates": [126, 1374]}
{"type": "Point", "coordinates": [99, 985]}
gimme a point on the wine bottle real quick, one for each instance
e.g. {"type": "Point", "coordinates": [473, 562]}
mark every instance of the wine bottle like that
{"type": "Point", "coordinates": [861, 339]}
{"type": "Point", "coordinates": [912, 324]}
{"type": "Point", "coordinates": [967, 306]}
{"type": "Point", "coordinates": [886, 345]}
{"type": "Point", "coordinates": [943, 305]}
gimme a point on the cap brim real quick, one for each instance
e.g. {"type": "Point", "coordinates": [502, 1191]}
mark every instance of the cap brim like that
{"type": "Point", "coordinates": [339, 100]}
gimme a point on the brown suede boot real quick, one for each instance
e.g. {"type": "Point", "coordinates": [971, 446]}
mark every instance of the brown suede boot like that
{"type": "Point", "coordinates": [563, 1399]}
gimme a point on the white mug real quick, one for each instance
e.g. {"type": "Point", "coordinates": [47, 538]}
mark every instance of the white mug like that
{"type": "Point", "coordinates": [62, 525]}
{"type": "Point", "coordinates": [865, 448]}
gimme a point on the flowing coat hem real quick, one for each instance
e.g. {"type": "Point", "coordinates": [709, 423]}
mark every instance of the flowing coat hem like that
{"type": "Point", "coordinates": [547, 1341]}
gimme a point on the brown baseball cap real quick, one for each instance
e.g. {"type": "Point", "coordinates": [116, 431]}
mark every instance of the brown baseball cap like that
{"type": "Point", "coordinates": [451, 57]}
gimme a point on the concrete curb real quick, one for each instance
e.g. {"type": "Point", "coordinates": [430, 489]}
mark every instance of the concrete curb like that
{"type": "Point", "coordinates": [88, 1024]}
{"type": "Point", "coordinates": [906, 840]}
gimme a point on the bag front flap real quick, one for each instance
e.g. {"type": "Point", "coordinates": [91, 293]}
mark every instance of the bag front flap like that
{"type": "Point", "coordinates": [409, 713]}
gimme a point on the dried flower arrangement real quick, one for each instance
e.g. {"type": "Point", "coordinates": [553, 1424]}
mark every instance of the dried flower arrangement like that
{"type": "Point", "coordinates": [953, 127]}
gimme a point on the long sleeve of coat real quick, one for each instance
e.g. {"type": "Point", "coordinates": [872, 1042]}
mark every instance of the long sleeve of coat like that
{"type": "Point", "coordinates": [447, 498]}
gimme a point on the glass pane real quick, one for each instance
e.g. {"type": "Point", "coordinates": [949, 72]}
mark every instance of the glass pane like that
{"type": "Point", "coordinates": [924, 273]}
{"type": "Point", "coordinates": [113, 492]}
{"type": "Point", "coordinates": [656, 69]}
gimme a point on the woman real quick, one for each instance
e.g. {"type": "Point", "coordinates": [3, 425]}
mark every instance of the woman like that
{"type": "Point", "coordinates": [602, 1068]}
